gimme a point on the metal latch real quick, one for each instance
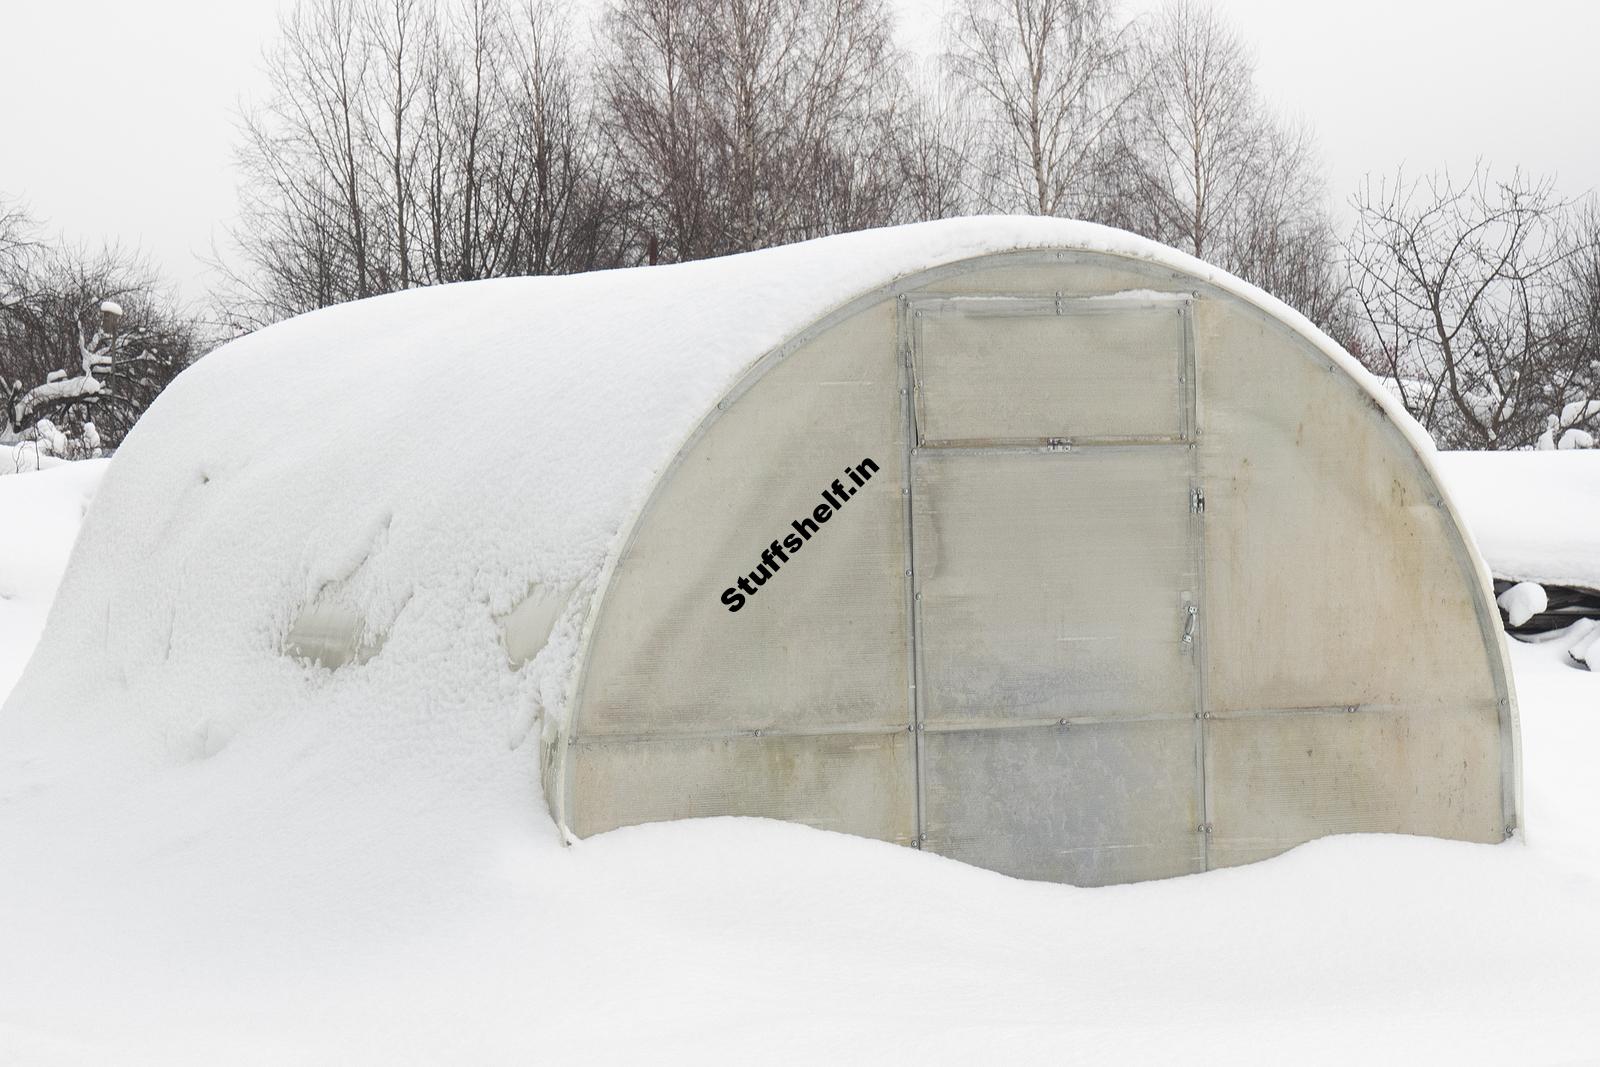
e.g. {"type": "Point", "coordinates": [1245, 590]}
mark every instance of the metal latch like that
{"type": "Point", "coordinates": [1190, 612]}
{"type": "Point", "coordinates": [1197, 500]}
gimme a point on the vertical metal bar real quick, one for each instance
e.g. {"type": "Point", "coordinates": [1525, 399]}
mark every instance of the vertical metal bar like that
{"type": "Point", "coordinates": [1197, 543]}
{"type": "Point", "coordinates": [907, 339]}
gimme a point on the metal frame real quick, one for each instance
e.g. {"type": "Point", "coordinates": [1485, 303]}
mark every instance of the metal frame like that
{"type": "Point", "coordinates": [906, 369]}
{"type": "Point", "coordinates": [1269, 313]}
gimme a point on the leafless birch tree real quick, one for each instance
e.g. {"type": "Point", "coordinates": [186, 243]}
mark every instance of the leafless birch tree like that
{"type": "Point", "coordinates": [1050, 80]}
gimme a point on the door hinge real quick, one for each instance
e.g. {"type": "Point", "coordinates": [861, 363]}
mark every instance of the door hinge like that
{"type": "Point", "coordinates": [1197, 500]}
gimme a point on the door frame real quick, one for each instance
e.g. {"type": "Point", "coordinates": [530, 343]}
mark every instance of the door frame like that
{"type": "Point", "coordinates": [911, 311]}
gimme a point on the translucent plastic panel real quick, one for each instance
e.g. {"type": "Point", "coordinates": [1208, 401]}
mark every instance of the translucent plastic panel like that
{"type": "Point", "coordinates": [854, 783]}
{"type": "Point", "coordinates": [1333, 575]}
{"type": "Point", "coordinates": [1091, 805]}
{"type": "Point", "coordinates": [987, 373]}
{"type": "Point", "coordinates": [822, 640]}
{"type": "Point", "coordinates": [1052, 583]}
{"type": "Point", "coordinates": [1281, 778]}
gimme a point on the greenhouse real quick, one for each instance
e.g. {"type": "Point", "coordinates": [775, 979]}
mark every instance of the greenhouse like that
{"type": "Point", "coordinates": [1021, 541]}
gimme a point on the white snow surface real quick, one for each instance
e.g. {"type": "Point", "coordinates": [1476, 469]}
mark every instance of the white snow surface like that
{"type": "Point", "coordinates": [1523, 601]}
{"type": "Point", "coordinates": [39, 518]}
{"type": "Point", "coordinates": [1535, 515]}
{"type": "Point", "coordinates": [209, 852]}
{"type": "Point", "coordinates": [24, 456]}
{"type": "Point", "coordinates": [281, 903]}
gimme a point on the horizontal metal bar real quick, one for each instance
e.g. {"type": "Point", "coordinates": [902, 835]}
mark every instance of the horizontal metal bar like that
{"type": "Point", "coordinates": [1036, 303]}
{"type": "Point", "coordinates": [1345, 709]}
{"type": "Point", "coordinates": [870, 729]}
{"type": "Point", "coordinates": [980, 725]}
{"type": "Point", "coordinates": [1042, 445]}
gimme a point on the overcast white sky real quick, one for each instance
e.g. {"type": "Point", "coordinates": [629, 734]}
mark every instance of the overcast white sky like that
{"type": "Point", "coordinates": [116, 118]}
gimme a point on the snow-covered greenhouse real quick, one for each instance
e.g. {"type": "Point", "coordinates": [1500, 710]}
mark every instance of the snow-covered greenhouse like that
{"type": "Point", "coordinates": [1022, 541]}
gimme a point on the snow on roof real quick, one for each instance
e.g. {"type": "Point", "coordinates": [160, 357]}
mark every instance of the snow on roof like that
{"type": "Point", "coordinates": [435, 453]}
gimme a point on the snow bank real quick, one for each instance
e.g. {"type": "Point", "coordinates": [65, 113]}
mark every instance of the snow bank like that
{"type": "Point", "coordinates": [26, 456]}
{"type": "Point", "coordinates": [1535, 515]}
{"type": "Point", "coordinates": [39, 518]}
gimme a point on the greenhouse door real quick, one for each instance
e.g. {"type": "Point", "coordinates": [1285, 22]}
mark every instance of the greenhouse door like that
{"type": "Point", "coordinates": [1055, 529]}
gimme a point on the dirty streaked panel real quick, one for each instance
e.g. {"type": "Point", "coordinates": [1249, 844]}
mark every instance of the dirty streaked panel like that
{"type": "Point", "coordinates": [854, 783]}
{"type": "Point", "coordinates": [1282, 778]}
{"type": "Point", "coordinates": [1090, 805]}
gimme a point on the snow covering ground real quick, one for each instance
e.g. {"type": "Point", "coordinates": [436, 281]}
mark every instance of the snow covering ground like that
{"type": "Point", "coordinates": [231, 912]}
{"type": "Point", "coordinates": [26, 456]}
{"type": "Point", "coordinates": [39, 518]}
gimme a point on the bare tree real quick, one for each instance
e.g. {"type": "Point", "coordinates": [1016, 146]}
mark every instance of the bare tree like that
{"type": "Point", "coordinates": [744, 123]}
{"type": "Point", "coordinates": [1199, 139]}
{"type": "Point", "coordinates": [1460, 287]}
{"type": "Point", "coordinates": [411, 142]}
{"type": "Point", "coordinates": [1051, 79]}
{"type": "Point", "coordinates": [87, 340]}
{"type": "Point", "coordinates": [16, 238]}
{"type": "Point", "coordinates": [559, 187]}
{"type": "Point", "coordinates": [937, 141]}
{"type": "Point", "coordinates": [304, 211]}
{"type": "Point", "coordinates": [405, 47]}
{"type": "Point", "coordinates": [1577, 336]}
{"type": "Point", "coordinates": [1199, 162]}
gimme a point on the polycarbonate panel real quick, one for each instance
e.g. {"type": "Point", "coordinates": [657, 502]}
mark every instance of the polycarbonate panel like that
{"type": "Point", "coordinates": [1090, 805]}
{"type": "Point", "coordinates": [986, 372]}
{"type": "Point", "coordinates": [1279, 779]}
{"type": "Point", "coordinates": [854, 783]}
{"type": "Point", "coordinates": [824, 639]}
{"type": "Point", "coordinates": [1052, 584]}
{"type": "Point", "coordinates": [1333, 574]}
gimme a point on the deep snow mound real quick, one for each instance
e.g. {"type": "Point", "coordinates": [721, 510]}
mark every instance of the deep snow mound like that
{"type": "Point", "coordinates": [420, 463]}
